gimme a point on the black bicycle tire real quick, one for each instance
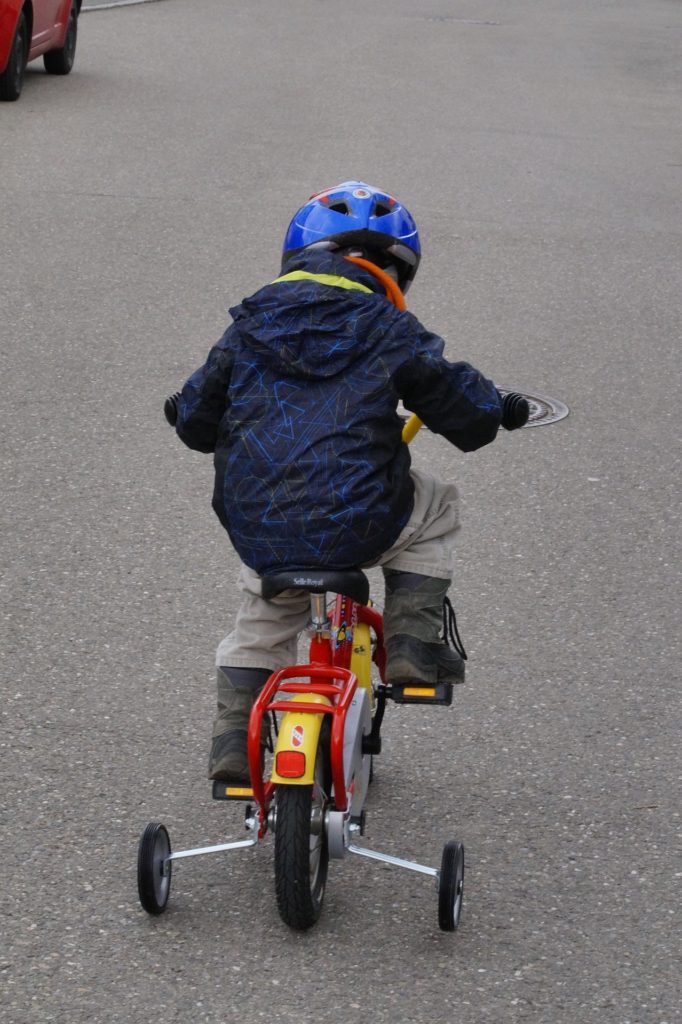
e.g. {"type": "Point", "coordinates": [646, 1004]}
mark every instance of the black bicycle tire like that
{"type": "Point", "coordinates": [299, 897]}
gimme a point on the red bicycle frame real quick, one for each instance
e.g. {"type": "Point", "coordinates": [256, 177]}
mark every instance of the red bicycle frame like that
{"type": "Point", "coordinates": [328, 674]}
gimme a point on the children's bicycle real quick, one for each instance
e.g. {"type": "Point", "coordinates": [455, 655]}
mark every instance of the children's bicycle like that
{"type": "Point", "coordinates": [327, 715]}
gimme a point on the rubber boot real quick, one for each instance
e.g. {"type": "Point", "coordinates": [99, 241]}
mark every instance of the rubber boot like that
{"type": "Point", "coordinates": [237, 692]}
{"type": "Point", "coordinates": [413, 621]}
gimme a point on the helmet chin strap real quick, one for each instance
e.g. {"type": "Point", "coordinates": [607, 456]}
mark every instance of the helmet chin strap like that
{"type": "Point", "coordinates": [392, 289]}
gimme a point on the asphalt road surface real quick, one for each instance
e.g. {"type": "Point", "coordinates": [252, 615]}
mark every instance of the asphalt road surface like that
{"type": "Point", "coordinates": [538, 146]}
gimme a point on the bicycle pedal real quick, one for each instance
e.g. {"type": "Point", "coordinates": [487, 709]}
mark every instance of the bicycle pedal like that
{"type": "Point", "coordinates": [418, 693]}
{"type": "Point", "coordinates": [231, 791]}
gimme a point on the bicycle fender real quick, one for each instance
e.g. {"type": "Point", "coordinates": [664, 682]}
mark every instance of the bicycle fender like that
{"type": "Point", "coordinates": [300, 731]}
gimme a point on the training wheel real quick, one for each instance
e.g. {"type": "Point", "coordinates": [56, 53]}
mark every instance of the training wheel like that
{"type": "Point", "coordinates": [153, 869]}
{"type": "Point", "coordinates": [451, 887]}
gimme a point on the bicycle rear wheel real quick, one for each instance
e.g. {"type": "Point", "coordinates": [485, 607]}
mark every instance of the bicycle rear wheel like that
{"type": "Point", "coordinates": [301, 849]}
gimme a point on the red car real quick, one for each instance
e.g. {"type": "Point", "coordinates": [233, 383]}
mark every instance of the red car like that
{"type": "Point", "coordinates": [35, 28]}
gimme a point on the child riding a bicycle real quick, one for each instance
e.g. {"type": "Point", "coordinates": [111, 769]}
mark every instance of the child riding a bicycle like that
{"type": "Point", "coordinates": [298, 402]}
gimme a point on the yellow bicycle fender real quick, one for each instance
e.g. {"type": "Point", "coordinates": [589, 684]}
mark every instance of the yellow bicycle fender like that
{"type": "Point", "coordinates": [300, 731]}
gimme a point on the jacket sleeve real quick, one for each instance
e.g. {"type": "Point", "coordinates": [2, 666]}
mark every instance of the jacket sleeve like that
{"type": "Point", "coordinates": [452, 399]}
{"type": "Point", "coordinates": [203, 399]}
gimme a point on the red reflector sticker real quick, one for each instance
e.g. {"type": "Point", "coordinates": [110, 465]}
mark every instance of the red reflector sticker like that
{"type": "Point", "coordinates": [290, 764]}
{"type": "Point", "coordinates": [297, 736]}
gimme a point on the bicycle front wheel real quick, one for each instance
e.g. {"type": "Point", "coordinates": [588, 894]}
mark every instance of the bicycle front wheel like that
{"type": "Point", "coordinates": [301, 850]}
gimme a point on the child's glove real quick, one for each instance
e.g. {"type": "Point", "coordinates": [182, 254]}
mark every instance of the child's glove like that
{"type": "Point", "coordinates": [170, 408]}
{"type": "Point", "coordinates": [515, 411]}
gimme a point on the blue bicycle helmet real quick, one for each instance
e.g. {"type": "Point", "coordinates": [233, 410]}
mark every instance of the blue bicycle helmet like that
{"type": "Point", "coordinates": [357, 216]}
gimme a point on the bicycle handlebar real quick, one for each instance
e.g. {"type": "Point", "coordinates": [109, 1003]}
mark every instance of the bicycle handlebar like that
{"type": "Point", "coordinates": [515, 413]}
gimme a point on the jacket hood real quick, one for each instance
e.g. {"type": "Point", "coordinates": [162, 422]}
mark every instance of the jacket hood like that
{"type": "Point", "coordinates": [308, 329]}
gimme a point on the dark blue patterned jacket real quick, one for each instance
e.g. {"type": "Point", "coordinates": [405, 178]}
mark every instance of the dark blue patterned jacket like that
{"type": "Point", "coordinates": [298, 402]}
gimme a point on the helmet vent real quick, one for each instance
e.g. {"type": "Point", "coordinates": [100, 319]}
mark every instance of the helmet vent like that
{"type": "Point", "coordinates": [339, 206]}
{"type": "Point", "coordinates": [381, 209]}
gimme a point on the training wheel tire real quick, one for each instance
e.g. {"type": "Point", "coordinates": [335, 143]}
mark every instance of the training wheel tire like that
{"type": "Point", "coordinates": [451, 887]}
{"type": "Point", "coordinates": [153, 883]}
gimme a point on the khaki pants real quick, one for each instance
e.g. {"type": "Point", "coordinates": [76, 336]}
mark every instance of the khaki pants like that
{"type": "Point", "coordinates": [266, 632]}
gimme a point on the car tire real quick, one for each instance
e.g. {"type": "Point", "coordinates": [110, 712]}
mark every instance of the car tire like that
{"type": "Point", "coordinates": [12, 78]}
{"type": "Point", "coordinates": [60, 62]}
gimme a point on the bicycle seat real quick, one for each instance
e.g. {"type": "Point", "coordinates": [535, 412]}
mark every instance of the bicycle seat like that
{"type": "Point", "coordinates": [350, 582]}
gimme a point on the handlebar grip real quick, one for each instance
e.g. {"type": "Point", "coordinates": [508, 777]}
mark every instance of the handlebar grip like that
{"type": "Point", "coordinates": [515, 411]}
{"type": "Point", "coordinates": [170, 408]}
